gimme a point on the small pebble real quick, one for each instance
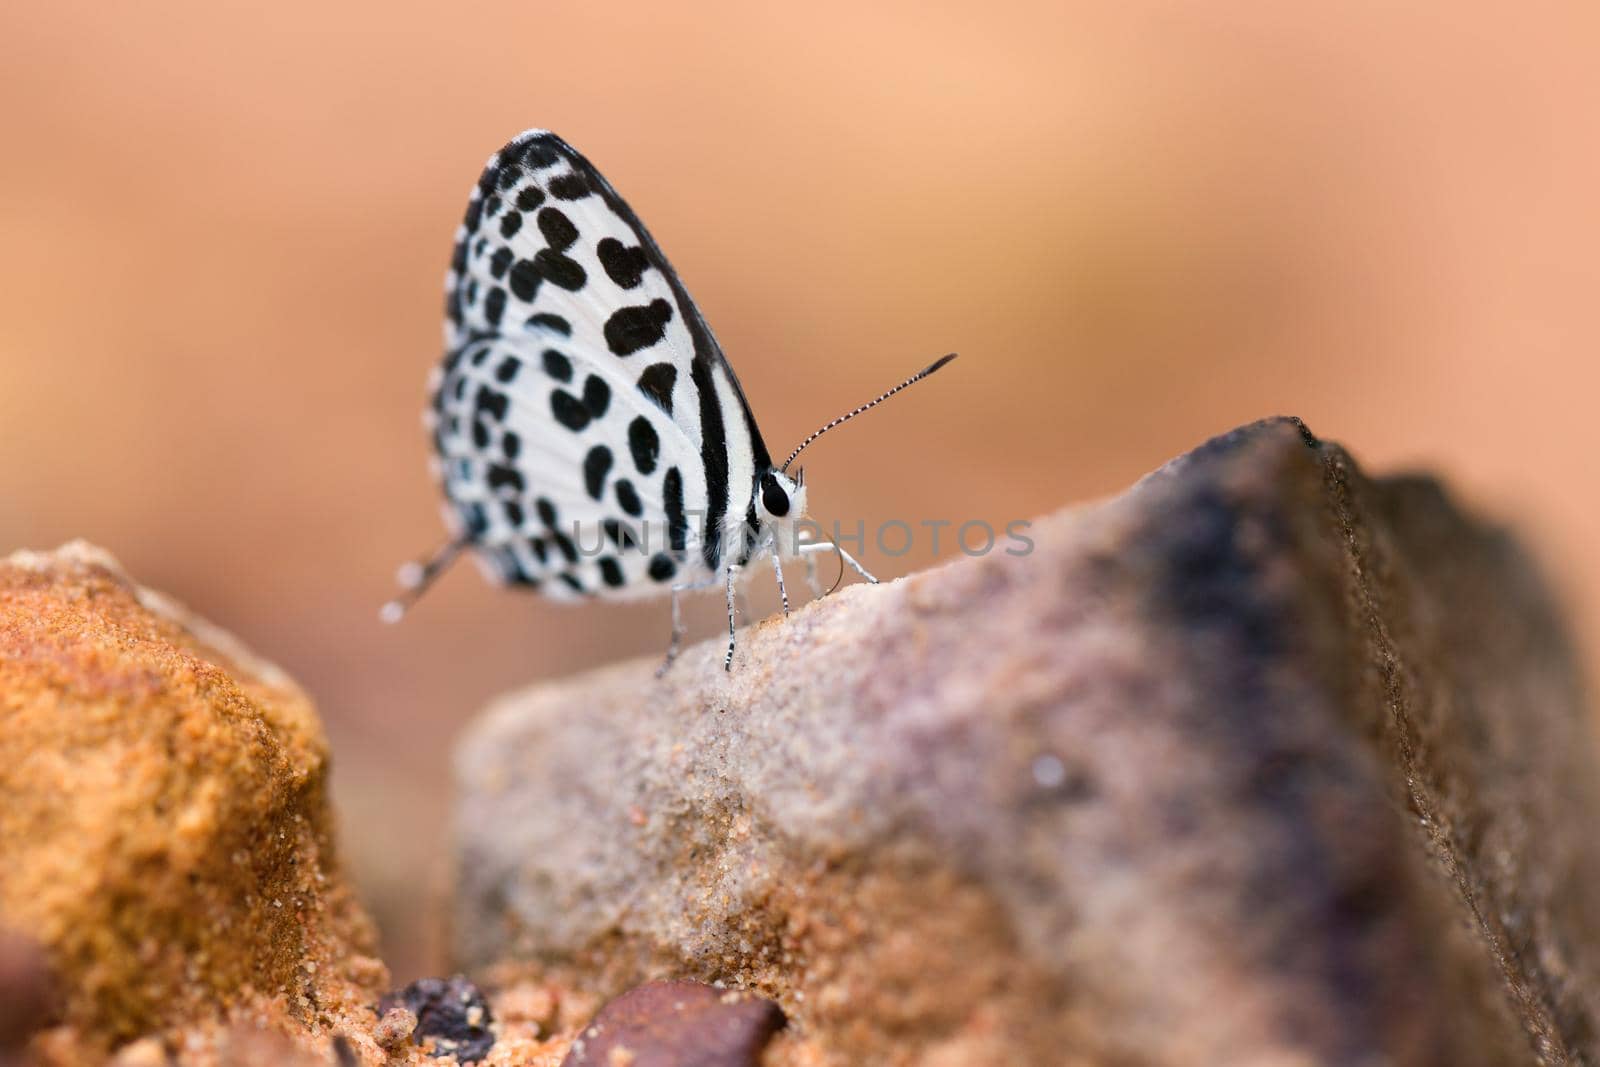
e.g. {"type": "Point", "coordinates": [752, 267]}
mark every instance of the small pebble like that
{"type": "Point", "coordinates": [394, 1029]}
{"type": "Point", "coordinates": [451, 1016]}
{"type": "Point", "coordinates": [1049, 772]}
{"type": "Point", "coordinates": [145, 1052]}
{"type": "Point", "coordinates": [678, 1022]}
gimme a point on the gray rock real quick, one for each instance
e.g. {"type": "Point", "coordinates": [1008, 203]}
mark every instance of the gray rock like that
{"type": "Point", "coordinates": [1260, 762]}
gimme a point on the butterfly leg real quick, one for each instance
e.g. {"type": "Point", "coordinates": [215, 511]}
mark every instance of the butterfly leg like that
{"type": "Point", "coordinates": [676, 644]}
{"type": "Point", "coordinates": [733, 575]}
{"type": "Point", "coordinates": [847, 557]}
{"type": "Point", "coordinates": [812, 579]}
{"type": "Point", "coordinates": [859, 569]}
{"type": "Point", "coordinates": [777, 569]}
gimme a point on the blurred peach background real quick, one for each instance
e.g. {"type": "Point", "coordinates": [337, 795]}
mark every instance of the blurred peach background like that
{"type": "Point", "coordinates": [225, 229]}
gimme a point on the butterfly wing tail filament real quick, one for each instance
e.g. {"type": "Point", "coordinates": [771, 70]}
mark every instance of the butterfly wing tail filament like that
{"type": "Point", "coordinates": [415, 578]}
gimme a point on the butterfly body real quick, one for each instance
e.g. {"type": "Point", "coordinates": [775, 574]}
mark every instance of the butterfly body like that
{"type": "Point", "coordinates": [590, 437]}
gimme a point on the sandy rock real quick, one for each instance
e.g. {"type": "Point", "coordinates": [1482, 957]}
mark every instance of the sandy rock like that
{"type": "Point", "coordinates": [165, 826]}
{"type": "Point", "coordinates": [1262, 762]}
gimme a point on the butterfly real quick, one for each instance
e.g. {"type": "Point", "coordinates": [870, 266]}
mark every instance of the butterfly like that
{"type": "Point", "coordinates": [591, 439]}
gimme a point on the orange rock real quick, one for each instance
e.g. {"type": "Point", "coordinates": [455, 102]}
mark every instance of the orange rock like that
{"type": "Point", "coordinates": [165, 828]}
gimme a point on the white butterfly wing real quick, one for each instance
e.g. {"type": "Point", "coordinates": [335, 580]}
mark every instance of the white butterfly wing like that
{"type": "Point", "coordinates": [587, 427]}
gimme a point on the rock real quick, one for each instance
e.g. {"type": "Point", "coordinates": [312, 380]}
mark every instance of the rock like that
{"type": "Point", "coordinates": [165, 824]}
{"type": "Point", "coordinates": [29, 993]}
{"type": "Point", "coordinates": [394, 1029]}
{"type": "Point", "coordinates": [1261, 762]}
{"type": "Point", "coordinates": [678, 1024]}
{"type": "Point", "coordinates": [451, 1017]}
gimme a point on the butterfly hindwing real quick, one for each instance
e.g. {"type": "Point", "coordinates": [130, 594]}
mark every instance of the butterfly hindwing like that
{"type": "Point", "coordinates": [586, 423]}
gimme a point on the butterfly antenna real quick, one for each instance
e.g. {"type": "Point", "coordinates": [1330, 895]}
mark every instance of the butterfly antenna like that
{"type": "Point", "coordinates": [416, 577]}
{"type": "Point", "coordinates": [839, 552]}
{"type": "Point", "coordinates": [913, 380]}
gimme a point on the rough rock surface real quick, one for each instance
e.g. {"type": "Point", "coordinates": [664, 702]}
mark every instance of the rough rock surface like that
{"type": "Point", "coordinates": [165, 830]}
{"type": "Point", "coordinates": [1260, 762]}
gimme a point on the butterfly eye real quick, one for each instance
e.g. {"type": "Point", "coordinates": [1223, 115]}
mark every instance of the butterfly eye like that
{"type": "Point", "coordinates": [773, 498]}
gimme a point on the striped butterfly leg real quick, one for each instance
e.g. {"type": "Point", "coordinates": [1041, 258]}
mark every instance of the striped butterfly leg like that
{"type": "Point", "coordinates": [777, 569]}
{"type": "Point", "coordinates": [676, 644]}
{"type": "Point", "coordinates": [733, 577]}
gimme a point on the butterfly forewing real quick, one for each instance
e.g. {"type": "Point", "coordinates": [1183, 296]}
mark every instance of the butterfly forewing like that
{"type": "Point", "coordinates": [591, 437]}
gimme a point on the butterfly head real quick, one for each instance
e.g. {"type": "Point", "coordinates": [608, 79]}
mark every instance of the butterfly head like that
{"type": "Point", "coordinates": [781, 500]}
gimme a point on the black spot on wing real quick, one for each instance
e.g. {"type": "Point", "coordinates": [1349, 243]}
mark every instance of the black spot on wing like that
{"type": "Point", "coordinates": [557, 365]}
{"type": "Point", "coordinates": [656, 383]}
{"type": "Point", "coordinates": [573, 186]}
{"type": "Point", "coordinates": [524, 281]}
{"type": "Point", "coordinates": [628, 497]}
{"type": "Point", "coordinates": [596, 465]}
{"type": "Point", "coordinates": [511, 224]}
{"type": "Point", "coordinates": [510, 444]}
{"type": "Point", "coordinates": [571, 582]}
{"type": "Point", "coordinates": [491, 402]}
{"type": "Point", "coordinates": [501, 476]}
{"type": "Point", "coordinates": [611, 572]}
{"type": "Point", "coordinates": [530, 197]}
{"type": "Point", "coordinates": [500, 262]}
{"type": "Point", "coordinates": [639, 326]}
{"type": "Point", "coordinates": [553, 323]}
{"type": "Point", "coordinates": [569, 551]}
{"type": "Point", "coordinates": [539, 153]}
{"type": "Point", "coordinates": [620, 533]}
{"type": "Point", "coordinates": [558, 230]}
{"type": "Point", "coordinates": [568, 410]}
{"type": "Point", "coordinates": [494, 305]}
{"type": "Point", "coordinates": [661, 567]}
{"type": "Point", "coordinates": [623, 264]}
{"type": "Point", "coordinates": [677, 520]}
{"type": "Point", "coordinates": [547, 511]}
{"type": "Point", "coordinates": [559, 270]}
{"type": "Point", "coordinates": [644, 444]}
{"type": "Point", "coordinates": [596, 395]}
{"type": "Point", "coordinates": [560, 234]}
{"type": "Point", "coordinates": [507, 370]}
